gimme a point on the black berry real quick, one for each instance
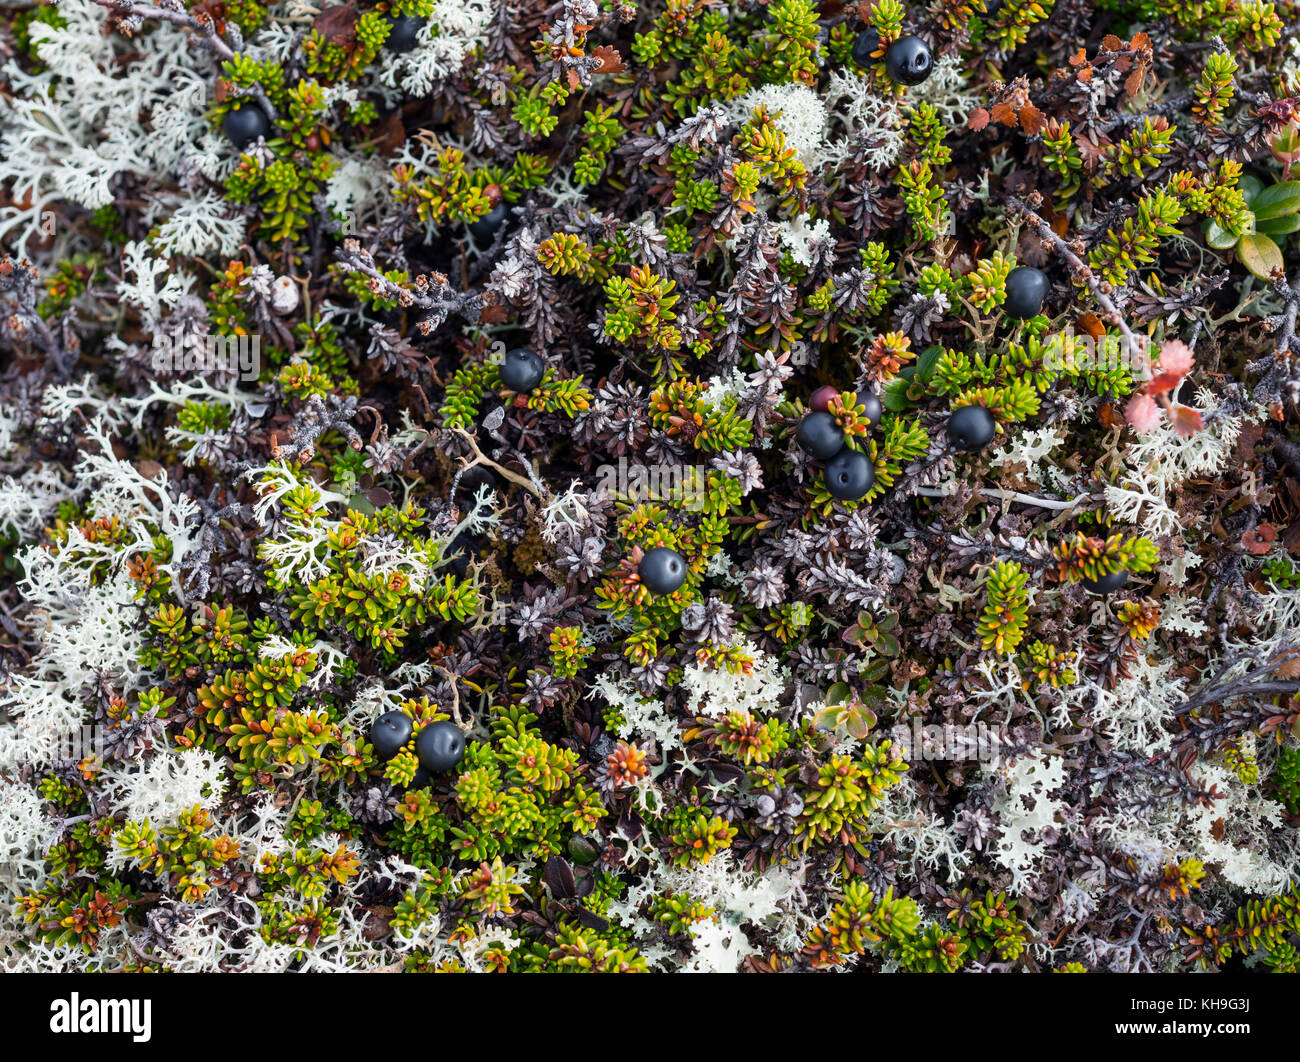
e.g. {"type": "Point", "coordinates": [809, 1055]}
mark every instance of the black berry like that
{"type": "Point", "coordinates": [849, 475]}
{"type": "Point", "coordinates": [389, 733]}
{"type": "Point", "coordinates": [440, 746]}
{"type": "Point", "coordinates": [819, 435]}
{"type": "Point", "coordinates": [486, 226]}
{"type": "Point", "coordinates": [875, 410]}
{"type": "Point", "coordinates": [662, 570]}
{"type": "Point", "coordinates": [244, 125]}
{"type": "Point", "coordinates": [1107, 584]}
{"type": "Point", "coordinates": [475, 477]}
{"type": "Point", "coordinates": [1027, 287]}
{"type": "Point", "coordinates": [971, 428]}
{"type": "Point", "coordinates": [908, 60]}
{"type": "Point", "coordinates": [401, 37]}
{"type": "Point", "coordinates": [864, 44]}
{"type": "Point", "coordinates": [522, 369]}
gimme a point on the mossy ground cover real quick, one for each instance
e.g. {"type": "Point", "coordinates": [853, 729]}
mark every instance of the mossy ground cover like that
{"type": "Point", "coordinates": [1018, 692]}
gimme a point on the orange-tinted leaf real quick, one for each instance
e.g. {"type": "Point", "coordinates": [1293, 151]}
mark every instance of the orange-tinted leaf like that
{"type": "Point", "coordinates": [1260, 540]}
{"type": "Point", "coordinates": [1186, 421]}
{"type": "Point", "coordinates": [610, 61]}
{"type": "Point", "coordinates": [1091, 324]}
{"type": "Point", "coordinates": [1162, 382]}
{"type": "Point", "coordinates": [979, 118]}
{"type": "Point", "coordinates": [1032, 119]}
{"type": "Point", "coordinates": [1005, 114]}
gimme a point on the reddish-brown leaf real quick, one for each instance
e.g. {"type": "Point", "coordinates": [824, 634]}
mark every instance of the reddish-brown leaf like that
{"type": "Point", "coordinates": [610, 61]}
{"type": "Point", "coordinates": [1165, 381]}
{"type": "Point", "coordinates": [1005, 114]}
{"type": "Point", "coordinates": [1260, 540]}
{"type": "Point", "coordinates": [390, 135]}
{"type": "Point", "coordinates": [1032, 119]}
{"type": "Point", "coordinates": [337, 23]}
{"type": "Point", "coordinates": [1091, 323]}
{"type": "Point", "coordinates": [1186, 421]}
{"type": "Point", "coordinates": [979, 118]}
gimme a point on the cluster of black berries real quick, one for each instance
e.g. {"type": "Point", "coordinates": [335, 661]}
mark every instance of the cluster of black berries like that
{"type": "Point", "coordinates": [248, 123]}
{"type": "Point", "coordinates": [848, 474]}
{"type": "Point", "coordinates": [972, 427]}
{"type": "Point", "coordinates": [438, 747]}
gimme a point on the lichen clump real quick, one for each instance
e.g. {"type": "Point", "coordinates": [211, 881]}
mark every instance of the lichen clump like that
{"type": "Point", "coordinates": [445, 360]}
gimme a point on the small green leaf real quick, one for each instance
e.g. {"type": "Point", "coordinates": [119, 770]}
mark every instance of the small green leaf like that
{"type": "Point", "coordinates": [1277, 201]}
{"type": "Point", "coordinates": [838, 693]}
{"type": "Point", "coordinates": [926, 362]}
{"type": "Point", "coordinates": [894, 397]}
{"type": "Point", "coordinates": [1259, 254]}
{"type": "Point", "coordinates": [1218, 237]}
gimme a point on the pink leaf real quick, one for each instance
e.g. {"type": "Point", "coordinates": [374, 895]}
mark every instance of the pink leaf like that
{"type": "Point", "coordinates": [1143, 413]}
{"type": "Point", "coordinates": [1176, 358]}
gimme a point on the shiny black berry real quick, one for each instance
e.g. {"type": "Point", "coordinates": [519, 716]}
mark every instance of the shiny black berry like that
{"type": "Point", "coordinates": [849, 475]}
{"type": "Point", "coordinates": [1107, 584]}
{"type": "Point", "coordinates": [908, 60]}
{"type": "Point", "coordinates": [864, 44]}
{"type": "Point", "coordinates": [1027, 287]}
{"type": "Point", "coordinates": [244, 125]}
{"type": "Point", "coordinates": [440, 746]}
{"type": "Point", "coordinates": [522, 369]}
{"type": "Point", "coordinates": [389, 733]}
{"type": "Point", "coordinates": [971, 428]}
{"type": "Point", "coordinates": [819, 435]}
{"type": "Point", "coordinates": [871, 401]}
{"type": "Point", "coordinates": [662, 570]}
{"type": "Point", "coordinates": [401, 38]}
{"type": "Point", "coordinates": [486, 226]}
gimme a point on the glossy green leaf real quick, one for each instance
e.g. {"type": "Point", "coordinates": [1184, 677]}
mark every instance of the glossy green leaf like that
{"type": "Point", "coordinates": [1218, 237]}
{"type": "Point", "coordinates": [894, 396]}
{"type": "Point", "coordinates": [1259, 254]}
{"type": "Point", "coordinates": [1280, 226]}
{"type": "Point", "coordinates": [1277, 201]}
